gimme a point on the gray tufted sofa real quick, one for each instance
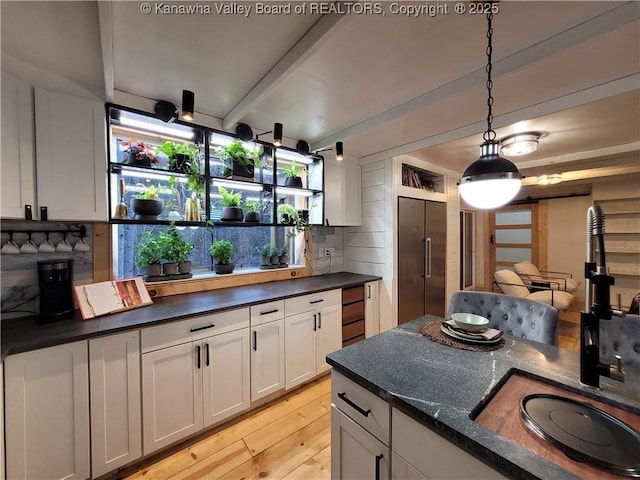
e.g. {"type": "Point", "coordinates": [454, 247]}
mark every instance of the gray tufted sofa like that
{"type": "Point", "coordinates": [621, 336]}
{"type": "Point", "coordinates": [513, 315]}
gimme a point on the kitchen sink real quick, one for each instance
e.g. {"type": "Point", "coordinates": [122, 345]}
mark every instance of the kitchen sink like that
{"type": "Point", "coordinates": [583, 433]}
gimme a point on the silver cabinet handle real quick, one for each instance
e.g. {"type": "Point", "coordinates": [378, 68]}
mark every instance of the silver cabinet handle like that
{"type": "Point", "coordinates": [428, 264]}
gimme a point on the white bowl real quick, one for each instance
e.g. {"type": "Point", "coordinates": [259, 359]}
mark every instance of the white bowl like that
{"type": "Point", "coordinates": [470, 322]}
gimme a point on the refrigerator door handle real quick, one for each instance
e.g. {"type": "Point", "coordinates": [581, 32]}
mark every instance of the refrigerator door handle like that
{"type": "Point", "coordinates": [424, 258]}
{"type": "Point", "coordinates": [427, 266]}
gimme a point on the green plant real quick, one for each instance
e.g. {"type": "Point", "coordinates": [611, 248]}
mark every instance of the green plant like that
{"type": "Point", "coordinates": [235, 151]}
{"type": "Point", "coordinates": [292, 171]}
{"type": "Point", "coordinates": [230, 198]}
{"type": "Point", "coordinates": [148, 192]}
{"type": "Point", "coordinates": [289, 211]}
{"type": "Point", "coordinates": [265, 250]}
{"type": "Point", "coordinates": [221, 251]}
{"type": "Point", "coordinates": [283, 249]}
{"type": "Point", "coordinates": [171, 150]}
{"type": "Point", "coordinates": [149, 249]}
{"type": "Point", "coordinates": [252, 206]}
{"type": "Point", "coordinates": [174, 248]}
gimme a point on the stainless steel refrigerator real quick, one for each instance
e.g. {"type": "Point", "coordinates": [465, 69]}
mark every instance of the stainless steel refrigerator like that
{"type": "Point", "coordinates": [422, 237]}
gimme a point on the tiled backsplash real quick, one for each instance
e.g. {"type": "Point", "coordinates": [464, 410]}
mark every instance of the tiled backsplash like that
{"type": "Point", "coordinates": [328, 238]}
{"type": "Point", "coordinates": [20, 290]}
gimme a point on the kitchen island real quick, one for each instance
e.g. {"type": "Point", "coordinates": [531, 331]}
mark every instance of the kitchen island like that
{"type": "Point", "coordinates": [439, 386]}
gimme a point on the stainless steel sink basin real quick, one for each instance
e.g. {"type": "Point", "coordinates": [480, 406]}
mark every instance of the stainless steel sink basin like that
{"type": "Point", "coordinates": [586, 434]}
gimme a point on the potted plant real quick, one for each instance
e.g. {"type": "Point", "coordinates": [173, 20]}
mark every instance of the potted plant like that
{"type": "Point", "coordinates": [265, 254]}
{"type": "Point", "coordinates": [292, 175]}
{"type": "Point", "coordinates": [283, 253]}
{"type": "Point", "coordinates": [238, 161]}
{"type": "Point", "coordinates": [287, 214]}
{"type": "Point", "coordinates": [149, 254]}
{"type": "Point", "coordinates": [274, 257]}
{"type": "Point", "coordinates": [176, 252]}
{"type": "Point", "coordinates": [180, 156]}
{"type": "Point", "coordinates": [222, 252]}
{"type": "Point", "coordinates": [252, 211]}
{"type": "Point", "coordinates": [231, 210]}
{"type": "Point", "coordinates": [138, 153]}
{"type": "Point", "coordinates": [147, 205]}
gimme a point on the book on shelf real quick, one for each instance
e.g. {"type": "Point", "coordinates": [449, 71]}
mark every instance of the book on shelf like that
{"type": "Point", "coordinates": [103, 298]}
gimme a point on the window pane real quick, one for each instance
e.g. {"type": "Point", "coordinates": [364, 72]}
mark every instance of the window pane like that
{"type": "Point", "coordinates": [514, 235]}
{"type": "Point", "coordinates": [520, 217]}
{"type": "Point", "coordinates": [512, 254]}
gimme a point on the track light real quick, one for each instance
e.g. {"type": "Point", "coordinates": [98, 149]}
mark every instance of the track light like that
{"type": "Point", "coordinates": [339, 148]}
{"type": "Point", "coordinates": [277, 134]}
{"type": "Point", "coordinates": [168, 112]}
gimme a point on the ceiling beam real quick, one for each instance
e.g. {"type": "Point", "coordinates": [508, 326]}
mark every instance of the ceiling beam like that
{"type": "Point", "coordinates": [610, 20]}
{"type": "Point", "coordinates": [615, 87]}
{"type": "Point", "coordinates": [106, 42]}
{"type": "Point", "coordinates": [300, 52]}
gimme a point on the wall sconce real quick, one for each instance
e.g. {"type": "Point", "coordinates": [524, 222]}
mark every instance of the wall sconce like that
{"type": "Point", "coordinates": [519, 144]}
{"type": "Point", "coordinates": [168, 112]}
{"type": "Point", "coordinates": [339, 148]}
{"type": "Point", "coordinates": [277, 134]}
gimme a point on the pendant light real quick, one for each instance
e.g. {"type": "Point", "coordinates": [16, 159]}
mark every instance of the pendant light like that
{"type": "Point", "coordinates": [491, 181]}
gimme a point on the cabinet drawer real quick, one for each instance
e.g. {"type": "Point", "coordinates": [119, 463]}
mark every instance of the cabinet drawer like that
{"type": "Point", "coordinates": [267, 312]}
{"type": "Point", "coordinates": [353, 294]}
{"type": "Point", "coordinates": [352, 312]}
{"type": "Point", "coordinates": [306, 303]}
{"type": "Point", "coordinates": [366, 408]}
{"type": "Point", "coordinates": [196, 328]}
{"type": "Point", "coordinates": [353, 330]}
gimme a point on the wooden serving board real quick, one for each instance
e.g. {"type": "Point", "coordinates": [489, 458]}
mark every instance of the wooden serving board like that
{"type": "Point", "coordinates": [502, 415]}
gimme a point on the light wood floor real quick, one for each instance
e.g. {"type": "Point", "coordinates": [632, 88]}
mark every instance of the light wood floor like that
{"type": "Point", "coordinates": [288, 439]}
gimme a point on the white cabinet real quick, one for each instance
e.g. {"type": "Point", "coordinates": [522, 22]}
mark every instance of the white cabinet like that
{"type": "Point", "coordinates": [371, 309]}
{"type": "Point", "coordinates": [342, 193]}
{"type": "Point", "coordinates": [71, 150]}
{"type": "Point", "coordinates": [422, 450]}
{"type": "Point", "coordinates": [313, 326]}
{"type": "Point", "coordinates": [17, 162]}
{"type": "Point", "coordinates": [195, 373]}
{"type": "Point", "coordinates": [267, 349]}
{"type": "Point", "coordinates": [355, 453]}
{"type": "Point", "coordinates": [116, 423]}
{"type": "Point", "coordinates": [47, 413]}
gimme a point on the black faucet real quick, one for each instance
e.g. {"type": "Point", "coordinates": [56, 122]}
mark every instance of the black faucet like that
{"type": "Point", "coordinates": [598, 286]}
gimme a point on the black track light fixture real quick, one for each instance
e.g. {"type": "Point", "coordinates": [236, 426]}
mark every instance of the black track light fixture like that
{"type": "Point", "coordinates": [168, 112]}
{"type": "Point", "coordinates": [188, 100]}
{"type": "Point", "coordinates": [277, 134]}
{"type": "Point", "coordinates": [339, 148]}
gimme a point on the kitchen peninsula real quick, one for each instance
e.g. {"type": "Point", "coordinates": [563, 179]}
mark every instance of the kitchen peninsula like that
{"type": "Point", "coordinates": [411, 380]}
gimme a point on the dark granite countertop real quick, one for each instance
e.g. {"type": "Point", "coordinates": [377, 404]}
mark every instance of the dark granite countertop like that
{"type": "Point", "coordinates": [439, 386]}
{"type": "Point", "coordinates": [27, 333]}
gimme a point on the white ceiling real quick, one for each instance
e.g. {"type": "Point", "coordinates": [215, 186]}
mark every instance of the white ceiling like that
{"type": "Point", "coordinates": [383, 84]}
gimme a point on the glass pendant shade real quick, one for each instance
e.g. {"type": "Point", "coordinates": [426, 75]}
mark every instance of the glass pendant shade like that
{"type": "Point", "coordinates": [491, 181]}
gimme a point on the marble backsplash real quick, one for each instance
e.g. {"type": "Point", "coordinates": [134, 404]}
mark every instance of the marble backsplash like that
{"type": "Point", "coordinates": [19, 276]}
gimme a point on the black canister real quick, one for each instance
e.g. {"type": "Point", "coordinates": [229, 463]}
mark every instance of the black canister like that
{"type": "Point", "coordinates": [55, 278]}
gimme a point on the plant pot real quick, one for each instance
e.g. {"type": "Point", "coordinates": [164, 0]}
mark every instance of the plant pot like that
{"type": "Point", "coordinates": [284, 259]}
{"type": "Point", "coordinates": [154, 270]}
{"type": "Point", "coordinates": [265, 260]}
{"type": "Point", "coordinates": [223, 268]}
{"type": "Point", "coordinates": [304, 216]}
{"type": "Point", "coordinates": [237, 170]}
{"type": "Point", "coordinates": [275, 259]}
{"type": "Point", "coordinates": [231, 214]}
{"type": "Point", "coordinates": [132, 160]}
{"type": "Point", "coordinates": [252, 217]}
{"type": "Point", "coordinates": [147, 208]}
{"type": "Point", "coordinates": [170, 268]}
{"type": "Point", "coordinates": [293, 182]}
{"type": "Point", "coordinates": [179, 163]}
{"type": "Point", "coordinates": [184, 267]}
{"type": "Point", "coordinates": [286, 219]}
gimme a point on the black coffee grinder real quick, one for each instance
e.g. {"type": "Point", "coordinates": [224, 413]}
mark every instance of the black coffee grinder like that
{"type": "Point", "coordinates": [55, 278]}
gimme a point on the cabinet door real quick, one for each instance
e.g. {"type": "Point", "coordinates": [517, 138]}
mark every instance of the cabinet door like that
{"type": "Point", "coordinates": [17, 162]}
{"type": "Point", "coordinates": [300, 348]}
{"type": "Point", "coordinates": [355, 453]}
{"type": "Point", "coordinates": [225, 369]}
{"type": "Point", "coordinates": [371, 309]}
{"type": "Point", "coordinates": [403, 470]}
{"type": "Point", "coordinates": [71, 149]}
{"type": "Point", "coordinates": [47, 413]}
{"type": "Point", "coordinates": [171, 395]}
{"type": "Point", "coordinates": [267, 359]}
{"type": "Point", "coordinates": [116, 423]}
{"type": "Point", "coordinates": [343, 205]}
{"type": "Point", "coordinates": [328, 335]}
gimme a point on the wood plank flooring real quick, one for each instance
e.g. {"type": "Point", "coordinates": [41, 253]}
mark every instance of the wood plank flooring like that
{"type": "Point", "coordinates": [288, 439]}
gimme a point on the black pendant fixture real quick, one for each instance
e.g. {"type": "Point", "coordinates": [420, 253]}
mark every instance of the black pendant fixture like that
{"type": "Point", "coordinates": [491, 181]}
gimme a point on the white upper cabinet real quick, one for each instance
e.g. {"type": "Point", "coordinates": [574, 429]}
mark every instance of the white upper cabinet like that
{"type": "Point", "coordinates": [17, 162]}
{"type": "Point", "coordinates": [342, 193]}
{"type": "Point", "coordinates": [71, 156]}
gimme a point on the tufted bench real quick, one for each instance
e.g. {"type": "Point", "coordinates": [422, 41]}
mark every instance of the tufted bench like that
{"type": "Point", "coordinates": [621, 336]}
{"type": "Point", "coordinates": [513, 315]}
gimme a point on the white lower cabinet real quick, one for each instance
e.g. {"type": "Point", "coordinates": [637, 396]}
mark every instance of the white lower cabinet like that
{"type": "Point", "coordinates": [400, 468]}
{"type": "Point", "coordinates": [47, 413]}
{"type": "Point", "coordinates": [313, 328]}
{"type": "Point", "coordinates": [355, 453]}
{"type": "Point", "coordinates": [114, 375]}
{"type": "Point", "coordinates": [267, 359]}
{"type": "Point", "coordinates": [195, 384]}
{"type": "Point", "coordinates": [371, 308]}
